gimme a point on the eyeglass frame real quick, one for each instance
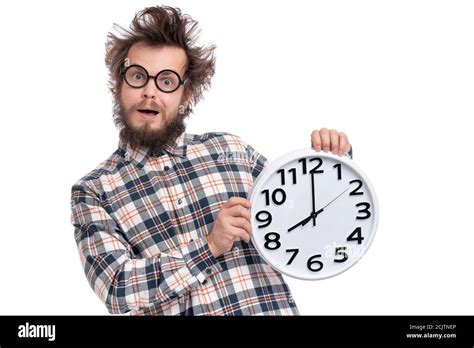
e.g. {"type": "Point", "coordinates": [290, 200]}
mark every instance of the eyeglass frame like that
{"type": "Point", "coordinates": [155, 78]}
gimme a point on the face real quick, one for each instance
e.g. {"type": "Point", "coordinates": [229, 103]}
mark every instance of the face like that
{"type": "Point", "coordinates": [150, 117]}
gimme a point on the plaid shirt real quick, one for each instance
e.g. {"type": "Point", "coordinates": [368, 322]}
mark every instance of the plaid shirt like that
{"type": "Point", "coordinates": [140, 226]}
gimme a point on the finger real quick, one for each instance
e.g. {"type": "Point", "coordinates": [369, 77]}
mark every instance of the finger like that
{"type": "Point", "coordinates": [325, 140]}
{"type": "Point", "coordinates": [334, 135]}
{"type": "Point", "coordinates": [237, 201]}
{"type": "Point", "coordinates": [241, 233]}
{"type": "Point", "coordinates": [316, 140]}
{"type": "Point", "coordinates": [237, 211]}
{"type": "Point", "coordinates": [344, 145]}
{"type": "Point", "coordinates": [242, 223]}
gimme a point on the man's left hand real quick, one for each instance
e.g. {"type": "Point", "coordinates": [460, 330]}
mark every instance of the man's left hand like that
{"type": "Point", "coordinates": [330, 140]}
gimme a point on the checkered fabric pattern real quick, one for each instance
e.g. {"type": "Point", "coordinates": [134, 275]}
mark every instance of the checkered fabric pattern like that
{"type": "Point", "coordinates": [140, 224]}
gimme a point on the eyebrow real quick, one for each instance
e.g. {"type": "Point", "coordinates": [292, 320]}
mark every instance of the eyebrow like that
{"type": "Point", "coordinates": [166, 73]}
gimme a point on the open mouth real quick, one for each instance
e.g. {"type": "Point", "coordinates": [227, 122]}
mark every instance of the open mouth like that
{"type": "Point", "coordinates": [148, 112]}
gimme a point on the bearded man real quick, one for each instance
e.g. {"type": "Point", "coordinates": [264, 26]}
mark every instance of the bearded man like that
{"type": "Point", "coordinates": [163, 225]}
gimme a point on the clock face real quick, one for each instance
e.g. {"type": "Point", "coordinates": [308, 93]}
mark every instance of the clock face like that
{"type": "Point", "coordinates": [313, 214]}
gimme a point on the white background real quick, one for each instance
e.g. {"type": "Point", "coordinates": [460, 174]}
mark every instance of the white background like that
{"type": "Point", "coordinates": [396, 76]}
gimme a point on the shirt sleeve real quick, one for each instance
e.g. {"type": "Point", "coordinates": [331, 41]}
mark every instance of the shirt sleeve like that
{"type": "Point", "coordinates": [348, 154]}
{"type": "Point", "coordinates": [122, 281]}
{"type": "Point", "coordinates": [257, 160]}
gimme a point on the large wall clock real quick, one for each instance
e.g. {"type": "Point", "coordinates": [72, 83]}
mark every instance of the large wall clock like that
{"type": "Point", "coordinates": [313, 215]}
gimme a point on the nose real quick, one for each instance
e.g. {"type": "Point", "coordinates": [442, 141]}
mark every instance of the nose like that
{"type": "Point", "coordinates": [149, 91]}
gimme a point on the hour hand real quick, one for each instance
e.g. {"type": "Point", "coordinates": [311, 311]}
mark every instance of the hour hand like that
{"type": "Point", "coordinates": [305, 221]}
{"type": "Point", "coordinates": [301, 223]}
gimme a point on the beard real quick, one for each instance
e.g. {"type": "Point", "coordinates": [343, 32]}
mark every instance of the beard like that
{"type": "Point", "coordinates": [153, 140]}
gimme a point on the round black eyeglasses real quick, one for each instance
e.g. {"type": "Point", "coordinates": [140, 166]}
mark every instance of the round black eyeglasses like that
{"type": "Point", "coordinates": [166, 81]}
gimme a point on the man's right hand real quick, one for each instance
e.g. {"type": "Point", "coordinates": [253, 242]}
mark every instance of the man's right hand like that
{"type": "Point", "coordinates": [233, 220]}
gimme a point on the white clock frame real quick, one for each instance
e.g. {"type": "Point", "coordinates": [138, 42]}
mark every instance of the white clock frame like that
{"type": "Point", "coordinates": [271, 170]}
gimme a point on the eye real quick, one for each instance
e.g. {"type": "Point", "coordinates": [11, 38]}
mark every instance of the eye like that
{"type": "Point", "coordinates": [168, 82]}
{"type": "Point", "coordinates": [138, 76]}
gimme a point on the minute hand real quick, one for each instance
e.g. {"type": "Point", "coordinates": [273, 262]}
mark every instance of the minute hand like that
{"type": "Point", "coordinates": [313, 212]}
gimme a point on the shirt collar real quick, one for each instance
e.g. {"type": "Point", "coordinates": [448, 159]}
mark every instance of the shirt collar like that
{"type": "Point", "coordinates": [140, 155]}
{"type": "Point", "coordinates": [178, 147]}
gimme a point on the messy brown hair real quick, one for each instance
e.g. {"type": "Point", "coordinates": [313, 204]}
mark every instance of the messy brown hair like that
{"type": "Point", "coordinates": [162, 26]}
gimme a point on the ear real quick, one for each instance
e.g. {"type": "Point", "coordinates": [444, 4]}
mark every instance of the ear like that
{"type": "Point", "coordinates": [188, 94]}
{"type": "Point", "coordinates": [186, 98]}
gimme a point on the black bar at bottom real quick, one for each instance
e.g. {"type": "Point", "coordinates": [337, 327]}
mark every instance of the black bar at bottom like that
{"type": "Point", "coordinates": [241, 331]}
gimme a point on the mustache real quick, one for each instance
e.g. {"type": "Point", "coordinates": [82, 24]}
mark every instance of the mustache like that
{"type": "Point", "coordinates": [148, 104]}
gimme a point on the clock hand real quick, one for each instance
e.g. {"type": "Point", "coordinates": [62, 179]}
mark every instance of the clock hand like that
{"type": "Point", "coordinates": [314, 203]}
{"type": "Point", "coordinates": [322, 209]}
{"type": "Point", "coordinates": [301, 223]}
{"type": "Point", "coordinates": [305, 221]}
{"type": "Point", "coordinates": [314, 214]}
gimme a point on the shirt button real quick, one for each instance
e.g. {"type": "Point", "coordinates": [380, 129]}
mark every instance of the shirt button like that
{"type": "Point", "coordinates": [166, 168]}
{"type": "Point", "coordinates": [236, 250]}
{"type": "Point", "coordinates": [179, 201]}
{"type": "Point", "coordinates": [208, 271]}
